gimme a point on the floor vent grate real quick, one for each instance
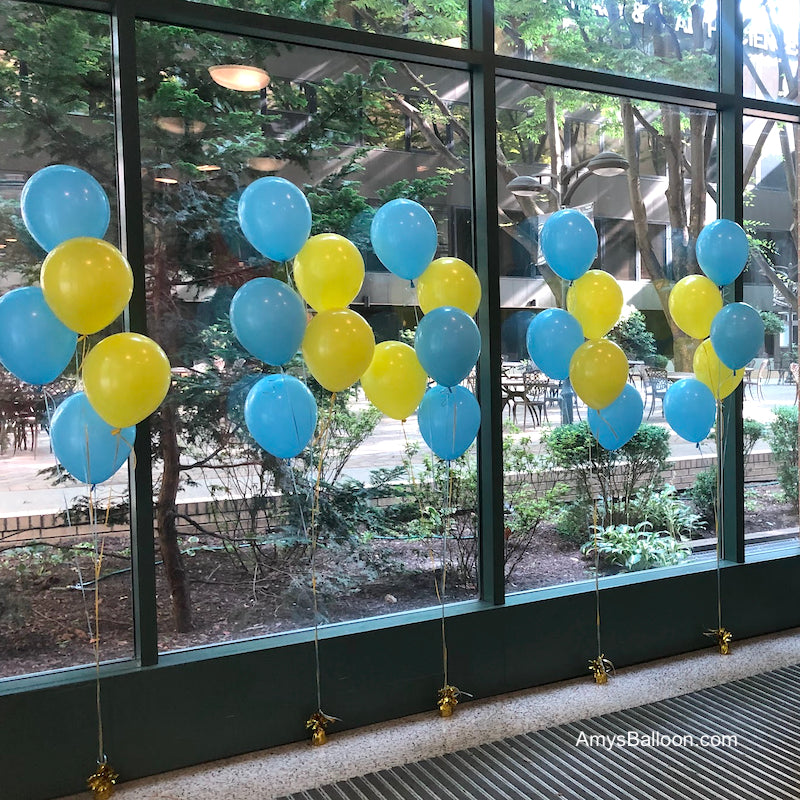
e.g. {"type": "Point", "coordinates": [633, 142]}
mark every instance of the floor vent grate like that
{"type": "Point", "coordinates": [684, 758]}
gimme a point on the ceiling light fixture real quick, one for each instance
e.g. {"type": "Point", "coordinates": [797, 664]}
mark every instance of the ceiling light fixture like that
{"type": "Point", "coordinates": [207, 168]}
{"type": "Point", "coordinates": [239, 77]}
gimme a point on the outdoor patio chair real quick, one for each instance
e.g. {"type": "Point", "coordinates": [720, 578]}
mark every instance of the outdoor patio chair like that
{"type": "Point", "coordinates": [755, 376]}
{"type": "Point", "coordinates": [656, 384]}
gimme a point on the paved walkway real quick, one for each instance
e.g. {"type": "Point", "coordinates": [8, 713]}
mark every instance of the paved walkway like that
{"type": "Point", "coordinates": [25, 491]}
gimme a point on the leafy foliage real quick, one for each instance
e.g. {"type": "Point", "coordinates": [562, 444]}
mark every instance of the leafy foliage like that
{"type": "Point", "coordinates": [613, 476]}
{"type": "Point", "coordinates": [635, 547]}
{"type": "Point", "coordinates": [632, 335]}
{"type": "Point", "coordinates": [782, 438]}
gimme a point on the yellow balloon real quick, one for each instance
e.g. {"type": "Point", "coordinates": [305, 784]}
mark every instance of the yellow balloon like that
{"type": "Point", "coordinates": [338, 347]}
{"type": "Point", "coordinates": [595, 299]}
{"type": "Point", "coordinates": [87, 283]}
{"type": "Point", "coordinates": [449, 282]}
{"type": "Point", "coordinates": [126, 376]}
{"type": "Point", "coordinates": [395, 380]}
{"type": "Point", "coordinates": [329, 271]}
{"type": "Point", "coordinates": [693, 303]}
{"type": "Point", "coordinates": [713, 373]}
{"type": "Point", "coordinates": [598, 371]}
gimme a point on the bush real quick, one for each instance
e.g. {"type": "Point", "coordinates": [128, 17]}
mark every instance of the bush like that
{"type": "Point", "coordinates": [574, 522]}
{"type": "Point", "coordinates": [632, 335]}
{"type": "Point", "coordinates": [665, 512]}
{"type": "Point", "coordinates": [617, 474]}
{"type": "Point", "coordinates": [782, 438]}
{"type": "Point", "coordinates": [635, 547]}
{"type": "Point", "coordinates": [704, 493]}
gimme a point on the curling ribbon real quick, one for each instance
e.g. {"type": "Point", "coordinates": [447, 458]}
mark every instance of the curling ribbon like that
{"type": "Point", "coordinates": [317, 723]}
{"type": "Point", "coordinates": [448, 700]}
{"type": "Point", "coordinates": [600, 667]}
{"type": "Point", "coordinates": [724, 639]}
{"type": "Point", "coordinates": [102, 781]}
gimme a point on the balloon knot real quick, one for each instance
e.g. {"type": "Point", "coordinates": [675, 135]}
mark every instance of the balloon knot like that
{"type": "Point", "coordinates": [116, 431]}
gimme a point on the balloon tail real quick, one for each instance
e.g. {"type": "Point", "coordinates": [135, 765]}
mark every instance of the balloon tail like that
{"type": "Point", "coordinates": [319, 720]}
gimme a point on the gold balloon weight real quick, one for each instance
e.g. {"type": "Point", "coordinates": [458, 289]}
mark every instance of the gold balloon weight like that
{"type": "Point", "coordinates": [448, 700]}
{"type": "Point", "coordinates": [600, 668]}
{"type": "Point", "coordinates": [317, 723]}
{"type": "Point", "coordinates": [102, 781]}
{"type": "Point", "coordinates": [724, 639]}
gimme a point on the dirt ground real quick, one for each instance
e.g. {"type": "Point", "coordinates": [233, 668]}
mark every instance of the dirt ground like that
{"type": "Point", "coordinates": [44, 617]}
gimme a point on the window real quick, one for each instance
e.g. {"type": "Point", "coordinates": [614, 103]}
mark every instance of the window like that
{"type": "Point", "coordinates": [206, 602]}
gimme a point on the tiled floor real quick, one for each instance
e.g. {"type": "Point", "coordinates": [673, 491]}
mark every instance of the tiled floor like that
{"type": "Point", "coordinates": [273, 773]}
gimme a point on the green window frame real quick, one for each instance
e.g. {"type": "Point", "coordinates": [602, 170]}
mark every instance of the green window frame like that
{"type": "Point", "coordinates": [164, 711]}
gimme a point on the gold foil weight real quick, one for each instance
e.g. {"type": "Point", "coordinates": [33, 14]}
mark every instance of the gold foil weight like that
{"type": "Point", "coordinates": [448, 700]}
{"type": "Point", "coordinates": [600, 667]}
{"type": "Point", "coordinates": [724, 638]}
{"type": "Point", "coordinates": [317, 723]}
{"type": "Point", "coordinates": [102, 781]}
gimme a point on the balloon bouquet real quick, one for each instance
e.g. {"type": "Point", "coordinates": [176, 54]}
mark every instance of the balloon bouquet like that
{"type": "Point", "coordinates": [269, 319]}
{"type": "Point", "coordinates": [571, 345]}
{"type": "Point", "coordinates": [85, 285]}
{"type": "Point", "coordinates": [732, 334]}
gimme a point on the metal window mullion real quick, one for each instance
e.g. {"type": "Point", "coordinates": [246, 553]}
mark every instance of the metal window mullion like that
{"type": "Point", "coordinates": [731, 206]}
{"type": "Point", "coordinates": [486, 241]}
{"type": "Point", "coordinates": [123, 44]}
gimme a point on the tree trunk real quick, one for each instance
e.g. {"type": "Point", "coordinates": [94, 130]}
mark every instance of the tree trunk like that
{"type": "Point", "coordinates": [676, 199]}
{"type": "Point", "coordinates": [163, 316]}
{"type": "Point", "coordinates": [165, 519]}
{"type": "Point", "coordinates": [683, 345]}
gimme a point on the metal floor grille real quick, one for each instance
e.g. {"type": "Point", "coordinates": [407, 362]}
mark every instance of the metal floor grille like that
{"type": "Point", "coordinates": [762, 712]}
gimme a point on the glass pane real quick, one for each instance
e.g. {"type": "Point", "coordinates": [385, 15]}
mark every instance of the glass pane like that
{"type": "Point", "coordinates": [771, 31]}
{"type": "Point", "coordinates": [672, 42]}
{"type": "Point", "coordinates": [631, 168]}
{"type": "Point", "coordinates": [423, 20]}
{"type": "Point", "coordinates": [235, 523]}
{"type": "Point", "coordinates": [770, 395]}
{"type": "Point", "coordinates": [57, 109]}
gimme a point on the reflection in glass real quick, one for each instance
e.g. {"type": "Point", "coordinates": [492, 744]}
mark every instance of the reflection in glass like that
{"type": "Point", "coordinates": [233, 522]}
{"type": "Point", "coordinates": [672, 42]}
{"type": "Point", "coordinates": [423, 20]}
{"type": "Point", "coordinates": [771, 379]}
{"type": "Point", "coordinates": [771, 31]}
{"type": "Point", "coordinates": [641, 172]}
{"type": "Point", "coordinates": [57, 109]}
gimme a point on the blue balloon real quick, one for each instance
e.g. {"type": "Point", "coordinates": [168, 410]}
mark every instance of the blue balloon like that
{"type": "Point", "coordinates": [690, 409]}
{"type": "Point", "coordinates": [737, 334]}
{"type": "Point", "coordinates": [275, 217]}
{"type": "Point", "coordinates": [448, 344]}
{"type": "Point", "coordinates": [269, 319]}
{"type": "Point", "coordinates": [62, 202]}
{"type": "Point", "coordinates": [281, 415]}
{"type": "Point", "coordinates": [722, 251]}
{"type": "Point", "coordinates": [449, 419]}
{"type": "Point", "coordinates": [569, 243]}
{"type": "Point", "coordinates": [615, 425]}
{"type": "Point", "coordinates": [34, 344]}
{"type": "Point", "coordinates": [553, 336]}
{"type": "Point", "coordinates": [84, 444]}
{"type": "Point", "coordinates": [404, 237]}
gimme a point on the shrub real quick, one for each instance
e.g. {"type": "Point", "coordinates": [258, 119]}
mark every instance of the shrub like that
{"type": "Point", "coordinates": [782, 438]}
{"type": "Point", "coordinates": [664, 511]}
{"type": "Point", "coordinates": [635, 547]}
{"type": "Point", "coordinates": [632, 335]}
{"type": "Point", "coordinates": [574, 521]}
{"type": "Point", "coordinates": [703, 493]}
{"type": "Point", "coordinates": [617, 474]}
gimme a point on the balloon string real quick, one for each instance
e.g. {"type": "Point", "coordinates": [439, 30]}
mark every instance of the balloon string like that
{"type": "Point", "coordinates": [324, 438]}
{"type": "Point", "coordinates": [607, 423]}
{"type": "Point", "coordinates": [440, 592]}
{"type": "Point", "coordinates": [596, 536]}
{"type": "Point", "coordinates": [410, 468]}
{"type": "Point", "coordinates": [718, 505]}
